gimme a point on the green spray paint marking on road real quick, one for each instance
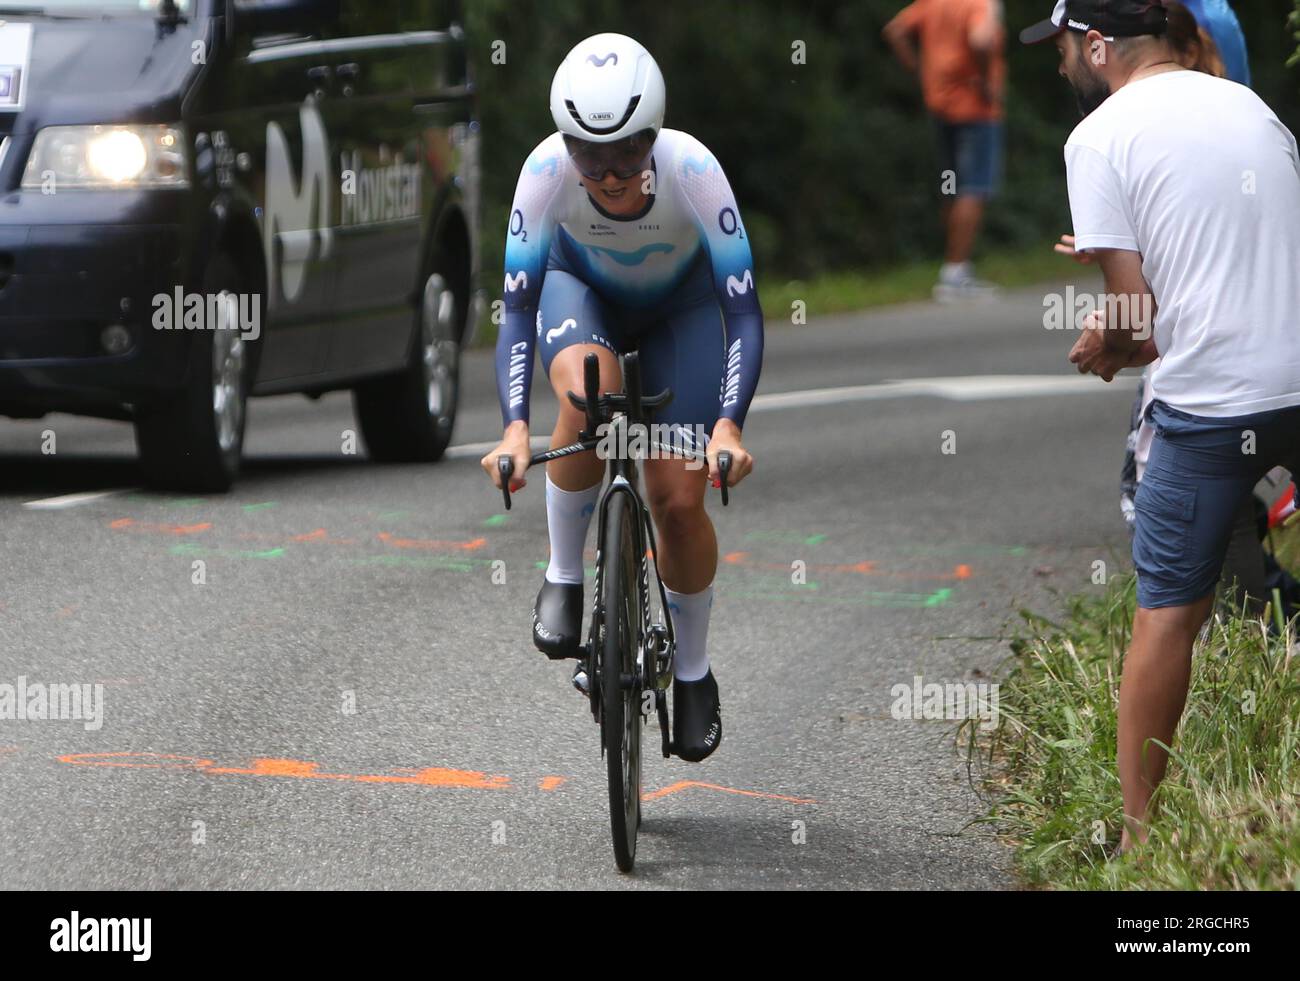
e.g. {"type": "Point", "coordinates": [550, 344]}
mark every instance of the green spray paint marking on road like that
{"type": "Point", "coordinates": [495, 521]}
{"type": "Point", "coordinates": [423, 562]}
{"type": "Point", "coordinates": [749, 576]}
{"type": "Point", "coordinates": [787, 537]}
{"type": "Point", "coordinates": [899, 600]}
{"type": "Point", "coordinates": [259, 507]}
{"type": "Point", "coordinates": [225, 553]}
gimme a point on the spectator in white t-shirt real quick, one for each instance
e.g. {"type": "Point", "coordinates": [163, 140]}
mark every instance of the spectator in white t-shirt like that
{"type": "Point", "coordinates": [1207, 258]}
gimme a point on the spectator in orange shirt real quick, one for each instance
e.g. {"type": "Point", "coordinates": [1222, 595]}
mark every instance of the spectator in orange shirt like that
{"type": "Point", "coordinates": [957, 48]}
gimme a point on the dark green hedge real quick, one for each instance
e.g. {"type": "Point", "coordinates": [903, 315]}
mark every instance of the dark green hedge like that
{"type": "Point", "coordinates": [832, 160]}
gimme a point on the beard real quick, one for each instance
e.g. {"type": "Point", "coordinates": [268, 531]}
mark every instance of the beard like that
{"type": "Point", "coordinates": [1090, 95]}
{"type": "Point", "coordinates": [1090, 89]}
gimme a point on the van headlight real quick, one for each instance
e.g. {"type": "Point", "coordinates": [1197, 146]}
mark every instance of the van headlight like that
{"type": "Point", "coordinates": [106, 157]}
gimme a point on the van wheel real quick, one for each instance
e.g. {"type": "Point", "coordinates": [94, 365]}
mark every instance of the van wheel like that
{"type": "Point", "coordinates": [408, 418]}
{"type": "Point", "coordinates": [194, 442]}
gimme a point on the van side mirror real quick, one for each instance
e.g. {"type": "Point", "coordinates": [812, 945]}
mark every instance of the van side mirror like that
{"type": "Point", "coordinates": [253, 17]}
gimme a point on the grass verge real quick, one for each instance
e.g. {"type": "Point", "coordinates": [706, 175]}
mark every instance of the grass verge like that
{"type": "Point", "coordinates": [849, 290]}
{"type": "Point", "coordinates": [1228, 813]}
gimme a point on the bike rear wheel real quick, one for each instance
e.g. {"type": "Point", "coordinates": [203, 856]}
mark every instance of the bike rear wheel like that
{"type": "Point", "coordinates": [620, 681]}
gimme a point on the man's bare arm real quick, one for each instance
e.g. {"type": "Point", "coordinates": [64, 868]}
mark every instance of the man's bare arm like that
{"type": "Point", "coordinates": [903, 44]}
{"type": "Point", "coordinates": [1131, 306]}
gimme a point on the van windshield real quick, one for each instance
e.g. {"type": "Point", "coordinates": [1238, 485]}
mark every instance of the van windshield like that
{"type": "Point", "coordinates": [87, 7]}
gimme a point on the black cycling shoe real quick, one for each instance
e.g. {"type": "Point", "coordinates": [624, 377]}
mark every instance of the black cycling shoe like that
{"type": "Point", "coordinates": [557, 619]}
{"type": "Point", "coordinates": [697, 718]}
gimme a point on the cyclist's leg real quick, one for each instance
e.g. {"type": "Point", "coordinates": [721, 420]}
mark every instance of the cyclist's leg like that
{"type": "Point", "coordinates": [572, 323]}
{"type": "Point", "coordinates": [685, 353]}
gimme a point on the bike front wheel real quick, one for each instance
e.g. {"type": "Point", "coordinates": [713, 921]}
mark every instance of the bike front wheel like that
{"type": "Point", "coordinates": [620, 679]}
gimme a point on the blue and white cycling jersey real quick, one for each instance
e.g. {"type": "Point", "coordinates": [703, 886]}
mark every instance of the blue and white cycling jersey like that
{"type": "Point", "coordinates": [634, 263]}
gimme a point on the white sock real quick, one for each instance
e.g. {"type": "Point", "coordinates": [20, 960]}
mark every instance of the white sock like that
{"type": "Point", "coordinates": [568, 516]}
{"type": "Point", "coordinates": [955, 272]}
{"type": "Point", "coordinates": [690, 613]}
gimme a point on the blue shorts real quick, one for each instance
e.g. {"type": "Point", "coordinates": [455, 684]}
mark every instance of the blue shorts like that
{"type": "Point", "coordinates": [680, 341]}
{"type": "Point", "coordinates": [1196, 476]}
{"type": "Point", "coordinates": [972, 151]}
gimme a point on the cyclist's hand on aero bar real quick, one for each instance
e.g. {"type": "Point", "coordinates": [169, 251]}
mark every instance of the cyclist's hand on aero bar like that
{"type": "Point", "coordinates": [515, 444]}
{"type": "Point", "coordinates": [726, 436]}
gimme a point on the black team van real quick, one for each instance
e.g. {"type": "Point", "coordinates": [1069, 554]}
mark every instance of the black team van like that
{"type": "Point", "coordinates": [204, 200]}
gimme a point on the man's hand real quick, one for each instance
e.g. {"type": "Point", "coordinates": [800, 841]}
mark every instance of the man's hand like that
{"type": "Point", "coordinates": [514, 443]}
{"type": "Point", "coordinates": [1066, 247]}
{"type": "Point", "coordinates": [726, 436]}
{"type": "Point", "coordinates": [1091, 353]}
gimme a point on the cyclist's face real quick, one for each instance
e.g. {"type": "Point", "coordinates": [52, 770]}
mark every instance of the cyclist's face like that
{"type": "Point", "coordinates": [618, 197]}
{"type": "Point", "coordinates": [617, 174]}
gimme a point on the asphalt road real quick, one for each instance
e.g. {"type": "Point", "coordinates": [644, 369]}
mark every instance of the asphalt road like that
{"type": "Point", "coordinates": [349, 700]}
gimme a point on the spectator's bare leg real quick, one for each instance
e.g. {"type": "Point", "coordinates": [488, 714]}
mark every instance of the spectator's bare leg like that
{"type": "Point", "coordinates": [963, 224]}
{"type": "Point", "coordinates": [1151, 698]}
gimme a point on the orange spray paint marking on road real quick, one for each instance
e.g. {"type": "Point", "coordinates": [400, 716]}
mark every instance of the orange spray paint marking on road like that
{"type": "Point", "coordinates": [160, 760]}
{"type": "Point", "coordinates": [865, 568]}
{"type": "Point", "coordinates": [550, 783]}
{"type": "Point", "coordinates": [686, 784]}
{"type": "Point", "coordinates": [122, 523]}
{"type": "Point", "coordinates": [319, 535]}
{"type": "Point", "coordinates": [431, 543]}
{"type": "Point", "coordinates": [265, 766]}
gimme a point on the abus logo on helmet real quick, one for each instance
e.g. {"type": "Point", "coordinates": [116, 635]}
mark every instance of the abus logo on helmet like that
{"type": "Point", "coordinates": [599, 116]}
{"type": "Point", "coordinates": [600, 62]}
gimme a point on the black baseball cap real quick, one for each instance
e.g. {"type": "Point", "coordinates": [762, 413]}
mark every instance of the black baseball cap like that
{"type": "Point", "coordinates": [1114, 18]}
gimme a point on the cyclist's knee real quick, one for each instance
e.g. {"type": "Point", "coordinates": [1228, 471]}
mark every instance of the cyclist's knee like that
{"type": "Point", "coordinates": [677, 510]}
{"type": "Point", "coordinates": [567, 372]}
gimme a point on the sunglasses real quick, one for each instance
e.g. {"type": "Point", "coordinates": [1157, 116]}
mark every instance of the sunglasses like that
{"type": "Point", "coordinates": [627, 158]}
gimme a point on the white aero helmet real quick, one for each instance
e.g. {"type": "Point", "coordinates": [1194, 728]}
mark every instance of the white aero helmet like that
{"type": "Point", "coordinates": [607, 88]}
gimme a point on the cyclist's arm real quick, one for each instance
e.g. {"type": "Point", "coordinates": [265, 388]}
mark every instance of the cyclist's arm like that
{"type": "Point", "coordinates": [717, 218]}
{"type": "Point", "coordinates": [528, 239]}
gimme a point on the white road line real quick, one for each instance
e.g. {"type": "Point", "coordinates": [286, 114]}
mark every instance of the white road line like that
{"type": "Point", "coordinates": [478, 449]}
{"type": "Point", "coordinates": [72, 500]}
{"type": "Point", "coordinates": [960, 389]}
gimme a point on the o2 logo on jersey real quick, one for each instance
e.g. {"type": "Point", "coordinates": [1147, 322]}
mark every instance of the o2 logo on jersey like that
{"type": "Point", "coordinates": [517, 225]}
{"type": "Point", "coordinates": [519, 281]}
{"type": "Point", "coordinates": [741, 286]}
{"type": "Point", "coordinates": [728, 222]}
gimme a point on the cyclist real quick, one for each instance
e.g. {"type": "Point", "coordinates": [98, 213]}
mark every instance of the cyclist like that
{"type": "Point", "coordinates": [626, 235]}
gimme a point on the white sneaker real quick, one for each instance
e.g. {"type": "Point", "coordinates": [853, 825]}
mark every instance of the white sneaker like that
{"type": "Point", "coordinates": [968, 289]}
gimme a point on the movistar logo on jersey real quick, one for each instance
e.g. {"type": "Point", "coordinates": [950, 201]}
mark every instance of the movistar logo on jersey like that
{"type": "Point", "coordinates": [739, 287]}
{"type": "Point", "coordinates": [555, 332]}
{"type": "Point", "coordinates": [519, 281]}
